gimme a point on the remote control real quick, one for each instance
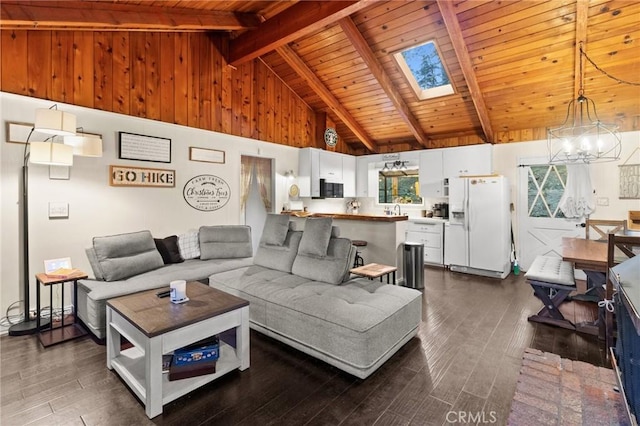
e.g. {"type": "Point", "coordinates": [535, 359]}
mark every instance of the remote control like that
{"type": "Point", "coordinates": [163, 293]}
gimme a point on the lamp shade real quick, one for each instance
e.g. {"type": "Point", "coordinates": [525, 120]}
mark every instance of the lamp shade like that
{"type": "Point", "coordinates": [55, 122]}
{"type": "Point", "coordinates": [50, 153]}
{"type": "Point", "coordinates": [85, 145]}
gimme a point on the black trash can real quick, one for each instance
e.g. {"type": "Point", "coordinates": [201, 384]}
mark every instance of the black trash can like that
{"type": "Point", "coordinates": [413, 261]}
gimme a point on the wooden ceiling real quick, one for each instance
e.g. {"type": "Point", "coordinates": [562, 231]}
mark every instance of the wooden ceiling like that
{"type": "Point", "coordinates": [514, 64]}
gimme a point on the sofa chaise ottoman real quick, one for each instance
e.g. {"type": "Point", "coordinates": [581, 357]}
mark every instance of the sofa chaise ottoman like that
{"type": "Point", "coordinates": [301, 294]}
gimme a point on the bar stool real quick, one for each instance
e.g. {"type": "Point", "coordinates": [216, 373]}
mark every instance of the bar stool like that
{"type": "Point", "coordinates": [358, 261]}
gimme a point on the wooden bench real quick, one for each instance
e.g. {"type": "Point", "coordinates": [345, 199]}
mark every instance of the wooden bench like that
{"type": "Point", "coordinates": [552, 281]}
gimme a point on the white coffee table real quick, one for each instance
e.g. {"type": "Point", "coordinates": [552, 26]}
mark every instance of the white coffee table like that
{"type": "Point", "coordinates": [155, 326]}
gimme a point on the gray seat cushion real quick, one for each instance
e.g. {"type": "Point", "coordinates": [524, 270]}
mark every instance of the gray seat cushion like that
{"type": "Point", "coordinates": [353, 325]}
{"type": "Point", "coordinates": [553, 270]}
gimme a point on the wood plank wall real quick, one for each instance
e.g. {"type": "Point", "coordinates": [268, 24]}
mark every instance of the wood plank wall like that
{"type": "Point", "coordinates": [179, 78]}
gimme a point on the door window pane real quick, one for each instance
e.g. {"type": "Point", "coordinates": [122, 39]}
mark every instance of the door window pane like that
{"type": "Point", "coordinates": [546, 185]}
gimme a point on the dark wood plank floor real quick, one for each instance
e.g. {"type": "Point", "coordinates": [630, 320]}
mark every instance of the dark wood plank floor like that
{"type": "Point", "coordinates": [465, 358]}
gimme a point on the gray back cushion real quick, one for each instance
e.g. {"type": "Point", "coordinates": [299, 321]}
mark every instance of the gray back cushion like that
{"type": "Point", "coordinates": [225, 242]}
{"type": "Point", "coordinates": [279, 257]}
{"type": "Point", "coordinates": [332, 268]}
{"type": "Point", "coordinates": [95, 265]}
{"type": "Point", "coordinates": [316, 235]}
{"type": "Point", "coordinates": [125, 255]}
{"type": "Point", "coordinates": [275, 229]}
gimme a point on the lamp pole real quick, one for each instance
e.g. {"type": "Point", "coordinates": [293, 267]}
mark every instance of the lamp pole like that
{"type": "Point", "coordinates": [27, 326]}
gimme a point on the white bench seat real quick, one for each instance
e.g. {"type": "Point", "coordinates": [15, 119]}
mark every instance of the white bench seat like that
{"type": "Point", "coordinates": [552, 280]}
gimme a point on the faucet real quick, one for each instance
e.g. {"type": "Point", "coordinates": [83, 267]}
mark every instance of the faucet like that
{"type": "Point", "coordinates": [399, 211]}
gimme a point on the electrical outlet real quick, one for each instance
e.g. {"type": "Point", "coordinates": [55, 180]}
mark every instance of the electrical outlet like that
{"type": "Point", "coordinates": [603, 201]}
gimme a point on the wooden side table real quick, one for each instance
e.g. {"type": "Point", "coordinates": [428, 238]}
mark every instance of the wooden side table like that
{"type": "Point", "coordinates": [63, 332]}
{"type": "Point", "coordinates": [375, 270]}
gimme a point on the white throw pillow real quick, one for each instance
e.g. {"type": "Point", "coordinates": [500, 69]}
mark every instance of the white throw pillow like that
{"type": "Point", "coordinates": [189, 245]}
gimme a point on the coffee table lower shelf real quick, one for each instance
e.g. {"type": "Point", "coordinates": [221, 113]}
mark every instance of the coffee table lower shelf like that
{"type": "Point", "coordinates": [130, 365]}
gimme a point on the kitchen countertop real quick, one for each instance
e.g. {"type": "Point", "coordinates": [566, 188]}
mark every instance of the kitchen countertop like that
{"type": "Point", "coordinates": [350, 216]}
{"type": "Point", "coordinates": [428, 220]}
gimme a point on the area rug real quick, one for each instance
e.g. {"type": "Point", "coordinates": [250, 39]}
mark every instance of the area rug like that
{"type": "Point", "coordinates": [558, 391]}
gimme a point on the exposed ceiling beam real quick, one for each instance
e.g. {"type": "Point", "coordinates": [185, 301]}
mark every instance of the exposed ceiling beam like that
{"type": "Point", "coordinates": [297, 21]}
{"type": "Point", "coordinates": [80, 15]}
{"type": "Point", "coordinates": [361, 45]}
{"type": "Point", "coordinates": [455, 34]}
{"type": "Point", "coordinates": [325, 94]}
{"type": "Point", "coordinates": [582, 15]}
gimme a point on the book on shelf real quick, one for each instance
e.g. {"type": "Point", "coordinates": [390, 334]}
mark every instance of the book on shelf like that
{"type": "Point", "coordinates": [177, 372]}
{"type": "Point", "coordinates": [62, 273]}
{"type": "Point", "coordinates": [166, 363]}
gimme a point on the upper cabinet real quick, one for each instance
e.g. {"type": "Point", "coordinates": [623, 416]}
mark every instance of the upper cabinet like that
{"type": "Point", "coordinates": [331, 166]}
{"type": "Point", "coordinates": [431, 174]}
{"type": "Point", "coordinates": [362, 176]}
{"type": "Point", "coordinates": [467, 160]}
{"type": "Point", "coordinates": [315, 164]}
{"type": "Point", "coordinates": [439, 165]}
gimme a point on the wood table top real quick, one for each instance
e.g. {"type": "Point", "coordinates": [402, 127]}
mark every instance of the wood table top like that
{"type": "Point", "coordinates": [590, 255]}
{"type": "Point", "coordinates": [373, 270]}
{"type": "Point", "coordinates": [48, 280]}
{"type": "Point", "coordinates": [153, 315]}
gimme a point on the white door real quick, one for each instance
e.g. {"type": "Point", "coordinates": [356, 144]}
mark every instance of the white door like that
{"type": "Point", "coordinates": [541, 223]}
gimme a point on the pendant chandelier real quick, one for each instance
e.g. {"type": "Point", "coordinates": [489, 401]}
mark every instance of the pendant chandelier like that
{"type": "Point", "coordinates": [583, 138]}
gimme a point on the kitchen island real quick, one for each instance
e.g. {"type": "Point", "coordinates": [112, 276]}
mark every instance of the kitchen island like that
{"type": "Point", "coordinates": [384, 235]}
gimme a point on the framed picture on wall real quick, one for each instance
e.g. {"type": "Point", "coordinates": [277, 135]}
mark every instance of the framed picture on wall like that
{"type": "Point", "coordinates": [206, 155]}
{"type": "Point", "coordinates": [132, 146]}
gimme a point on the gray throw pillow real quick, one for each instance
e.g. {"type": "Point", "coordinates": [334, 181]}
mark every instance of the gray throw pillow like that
{"type": "Point", "coordinates": [316, 236]}
{"type": "Point", "coordinates": [275, 229]}
{"type": "Point", "coordinates": [125, 255]}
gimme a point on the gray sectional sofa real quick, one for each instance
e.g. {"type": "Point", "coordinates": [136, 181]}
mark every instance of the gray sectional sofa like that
{"type": "Point", "coordinates": [300, 293]}
{"type": "Point", "coordinates": [128, 263]}
{"type": "Point", "coordinates": [298, 285]}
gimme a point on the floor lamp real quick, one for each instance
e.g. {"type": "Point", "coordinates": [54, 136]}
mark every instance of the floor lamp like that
{"type": "Point", "coordinates": [53, 122]}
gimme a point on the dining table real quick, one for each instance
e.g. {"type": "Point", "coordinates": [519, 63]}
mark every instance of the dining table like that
{"type": "Point", "coordinates": [590, 256]}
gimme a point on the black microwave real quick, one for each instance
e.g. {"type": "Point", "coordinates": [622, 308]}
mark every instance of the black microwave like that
{"type": "Point", "coordinates": [331, 189]}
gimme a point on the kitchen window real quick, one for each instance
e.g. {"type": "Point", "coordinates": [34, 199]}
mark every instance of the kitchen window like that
{"type": "Point", "coordinates": [399, 187]}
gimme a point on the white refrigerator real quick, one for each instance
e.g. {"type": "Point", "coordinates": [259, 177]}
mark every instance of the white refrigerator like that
{"type": "Point", "coordinates": [478, 236]}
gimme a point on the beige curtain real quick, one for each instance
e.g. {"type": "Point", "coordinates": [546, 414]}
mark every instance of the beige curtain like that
{"type": "Point", "coordinates": [262, 167]}
{"type": "Point", "coordinates": [246, 172]}
{"type": "Point", "coordinates": [263, 175]}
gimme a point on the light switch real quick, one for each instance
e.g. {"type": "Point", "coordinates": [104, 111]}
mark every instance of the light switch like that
{"type": "Point", "coordinates": [58, 210]}
{"type": "Point", "coordinates": [603, 201]}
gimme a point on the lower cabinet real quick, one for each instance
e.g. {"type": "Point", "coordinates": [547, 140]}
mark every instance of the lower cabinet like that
{"type": "Point", "coordinates": [429, 232]}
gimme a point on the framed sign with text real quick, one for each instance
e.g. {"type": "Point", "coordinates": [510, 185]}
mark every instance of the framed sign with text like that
{"type": "Point", "coordinates": [206, 155]}
{"type": "Point", "coordinates": [132, 146]}
{"type": "Point", "coordinates": [137, 176]}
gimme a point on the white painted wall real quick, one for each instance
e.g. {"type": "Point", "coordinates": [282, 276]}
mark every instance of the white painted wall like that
{"type": "Point", "coordinates": [95, 208]}
{"type": "Point", "coordinates": [604, 176]}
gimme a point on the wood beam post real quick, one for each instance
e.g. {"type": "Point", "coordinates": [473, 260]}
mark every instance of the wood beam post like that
{"type": "Point", "coordinates": [321, 125]}
{"type": "Point", "coordinates": [455, 34]}
{"type": "Point", "coordinates": [325, 94]}
{"type": "Point", "coordinates": [361, 45]}
{"type": "Point", "coordinates": [582, 15]}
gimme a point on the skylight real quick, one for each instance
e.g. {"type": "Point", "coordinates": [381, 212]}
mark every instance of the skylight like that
{"type": "Point", "coordinates": [424, 70]}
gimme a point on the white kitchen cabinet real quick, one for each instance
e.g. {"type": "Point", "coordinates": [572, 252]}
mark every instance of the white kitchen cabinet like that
{"type": "Point", "coordinates": [430, 233]}
{"type": "Point", "coordinates": [349, 175]}
{"type": "Point", "coordinates": [315, 164]}
{"type": "Point", "coordinates": [331, 166]}
{"type": "Point", "coordinates": [431, 174]}
{"type": "Point", "coordinates": [362, 176]}
{"type": "Point", "coordinates": [467, 160]}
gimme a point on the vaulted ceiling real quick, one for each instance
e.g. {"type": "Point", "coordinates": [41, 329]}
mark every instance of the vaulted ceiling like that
{"type": "Point", "coordinates": [514, 65]}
